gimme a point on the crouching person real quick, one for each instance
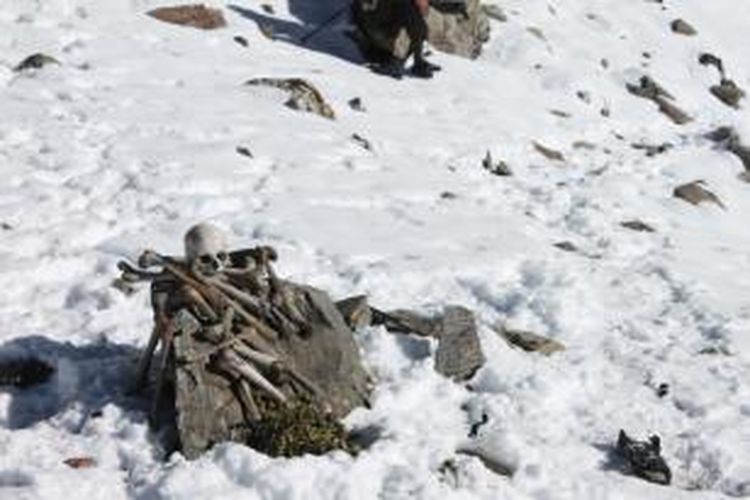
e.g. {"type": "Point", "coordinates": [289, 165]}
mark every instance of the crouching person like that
{"type": "Point", "coordinates": [392, 31]}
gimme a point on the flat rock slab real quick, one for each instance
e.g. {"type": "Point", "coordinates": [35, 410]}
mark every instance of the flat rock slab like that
{"type": "Point", "coordinates": [195, 16]}
{"type": "Point", "coordinates": [459, 354]}
{"type": "Point", "coordinates": [695, 193]}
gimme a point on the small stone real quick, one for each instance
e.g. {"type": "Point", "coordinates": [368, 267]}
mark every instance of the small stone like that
{"type": "Point", "coordinates": [448, 195]}
{"type": "Point", "coordinates": [499, 168]}
{"type": "Point", "coordinates": [647, 88]}
{"type": "Point", "coordinates": [695, 193]}
{"type": "Point", "coordinates": [636, 225]}
{"type": "Point", "coordinates": [548, 153]}
{"type": "Point", "coordinates": [663, 390]}
{"type": "Point", "coordinates": [242, 150]}
{"type": "Point", "coordinates": [729, 93]}
{"type": "Point", "coordinates": [682, 27]}
{"type": "Point", "coordinates": [5, 226]}
{"type": "Point", "coordinates": [195, 16]}
{"type": "Point", "coordinates": [80, 462]}
{"type": "Point", "coordinates": [361, 141]}
{"type": "Point", "coordinates": [268, 8]}
{"type": "Point", "coordinates": [566, 246]}
{"type": "Point", "coordinates": [529, 341]}
{"type": "Point", "coordinates": [241, 40]}
{"type": "Point", "coordinates": [356, 105]}
{"type": "Point", "coordinates": [35, 61]}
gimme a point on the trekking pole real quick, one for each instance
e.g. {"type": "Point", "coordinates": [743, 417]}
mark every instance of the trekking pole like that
{"type": "Point", "coordinates": [324, 25]}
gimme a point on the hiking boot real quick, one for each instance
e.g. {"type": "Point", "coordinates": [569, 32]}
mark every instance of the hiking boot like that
{"type": "Point", "coordinates": [393, 68]}
{"type": "Point", "coordinates": [424, 69]}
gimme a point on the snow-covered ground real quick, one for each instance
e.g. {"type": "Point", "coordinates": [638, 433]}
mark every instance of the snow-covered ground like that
{"type": "Point", "coordinates": [133, 138]}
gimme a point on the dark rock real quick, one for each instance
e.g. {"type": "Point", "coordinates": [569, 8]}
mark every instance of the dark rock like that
{"type": "Point", "coordinates": [355, 311]}
{"type": "Point", "coordinates": [695, 193]}
{"type": "Point", "coordinates": [637, 225]}
{"type": "Point", "coordinates": [682, 27]}
{"type": "Point", "coordinates": [729, 93]}
{"type": "Point", "coordinates": [653, 149]}
{"type": "Point", "coordinates": [356, 105]}
{"type": "Point", "coordinates": [35, 61]}
{"type": "Point", "coordinates": [499, 168]}
{"type": "Point", "coordinates": [663, 390]}
{"type": "Point", "coordinates": [361, 141]}
{"type": "Point", "coordinates": [566, 246]}
{"type": "Point", "coordinates": [244, 151]}
{"type": "Point", "coordinates": [643, 458]}
{"type": "Point", "coordinates": [241, 40]}
{"type": "Point", "coordinates": [195, 16]}
{"type": "Point", "coordinates": [649, 89]}
{"type": "Point", "coordinates": [268, 8]}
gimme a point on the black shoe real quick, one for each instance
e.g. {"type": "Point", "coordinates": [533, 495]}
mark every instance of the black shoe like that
{"type": "Point", "coordinates": [424, 69]}
{"type": "Point", "coordinates": [393, 68]}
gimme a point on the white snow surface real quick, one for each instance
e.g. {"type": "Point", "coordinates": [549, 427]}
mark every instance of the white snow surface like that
{"type": "Point", "coordinates": [133, 137]}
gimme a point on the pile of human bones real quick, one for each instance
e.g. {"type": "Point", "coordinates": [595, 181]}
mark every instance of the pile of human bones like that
{"type": "Point", "coordinates": [240, 347]}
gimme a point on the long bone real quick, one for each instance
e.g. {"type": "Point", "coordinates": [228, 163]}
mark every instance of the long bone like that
{"type": "Point", "coordinates": [230, 361]}
{"type": "Point", "coordinates": [160, 323]}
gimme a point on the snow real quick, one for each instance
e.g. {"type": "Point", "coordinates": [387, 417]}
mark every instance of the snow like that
{"type": "Point", "coordinates": [132, 139]}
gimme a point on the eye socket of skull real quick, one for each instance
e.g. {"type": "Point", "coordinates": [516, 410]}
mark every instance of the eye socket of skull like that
{"type": "Point", "coordinates": [209, 260]}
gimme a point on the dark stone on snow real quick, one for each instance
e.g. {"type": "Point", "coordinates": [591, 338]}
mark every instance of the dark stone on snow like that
{"type": "Point", "coordinates": [35, 61]}
{"type": "Point", "coordinates": [643, 458]}
{"type": "Point", "coordinates": [695, 193]}
{"type": "Point", "coordinates": [459, 354]}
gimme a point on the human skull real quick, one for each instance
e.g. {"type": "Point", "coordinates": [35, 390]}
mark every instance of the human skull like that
{"type": "Point", "coordinates": [206, 249]}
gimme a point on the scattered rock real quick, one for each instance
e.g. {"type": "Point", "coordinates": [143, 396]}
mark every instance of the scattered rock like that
{"type": "Point", "coordinates": [537, 33]}
{"type": "Point", "coordinates": [448, 195]}
{"type": "Point", "coordinates": [663, 390]}
{"type": "Point", "coordinates": [653, 149]}
{"type": "Point", "coordinates": [728, 92]}
{"type": "Point", "coordinates": [6, 226]}
{"type": "Point", "coordinates": [636, 225]}
{"type": "Point", "coordinates": [24, 373]}
{"type": "Point", "coordinates": [649, 89]}
{"type": "Point", "coordinates": [460, 31]}
{"type": "Point", "coordinates": [80, 462]}
{"type": "Point", "coordinates": [566, 246]}
{"type": "Point", "coordinates": [695, 193]}
{"type": "Point", "coordinates": [584, 145]}
{"type": "Point", "coordinates": [405, 321]}
{"type": "Point", "coordinates": [35, 61]}
{"type": "Point", "coordinates": [196, 16]}
{"type": "Point", "coordinates": [728, 138]}
{"type": "Point", "coordinates": [708, 59]}
{"type": "Point", "coordinates": [548, 153]}
{"type": "Point", "coordinates": [303, 96]}
{"type": "Point", "coordinates": [268, 8]}
{"type": "Point", "coordinates": [356, 105]}
{"type": "Point", "coordinates": [495, 168]}
{"type": "Point", "coordinates": [529, 341]}
{"type": "Point", "coordinates": [682, 27]}
{"type": "Point", "coordinates": [244, 151]}
{"type": "Point", "coordinates": [559, 113]}
{"type": "Point", "coordinates": [475, 426]}
{"type": "Point", "coordinates": [643, 458]}
{"type": "Point", "coordinates": [241, 40]}
{"type": "Point", "coordinates": [361, 141]}
{"type": "Point", "coordinates": [459, 354]}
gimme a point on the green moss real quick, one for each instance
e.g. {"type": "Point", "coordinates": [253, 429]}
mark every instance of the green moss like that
{"type": "Point", "coordinates": [298, 428]}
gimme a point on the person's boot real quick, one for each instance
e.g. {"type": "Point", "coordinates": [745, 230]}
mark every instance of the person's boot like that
{"type": "Point", "coordinates": [394, 68]}
{"type": "Point", "coordinates": [422, 68]}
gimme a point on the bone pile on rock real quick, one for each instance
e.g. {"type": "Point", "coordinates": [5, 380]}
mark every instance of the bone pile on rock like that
{"type": "Point", "coordinates": [244, 354]}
